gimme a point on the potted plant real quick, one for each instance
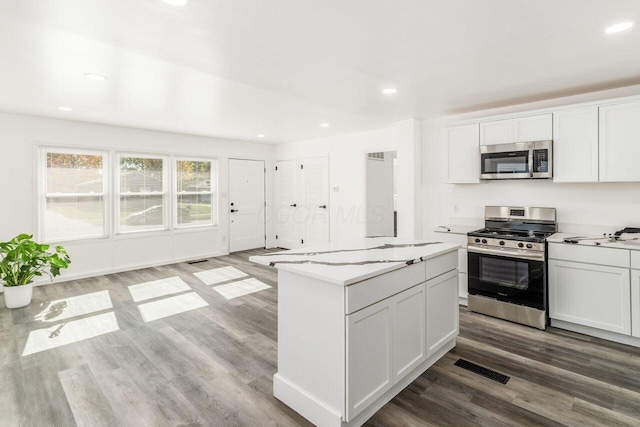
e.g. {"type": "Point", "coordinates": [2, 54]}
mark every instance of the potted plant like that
{"type": "Point", "coordinates": [22, 260]}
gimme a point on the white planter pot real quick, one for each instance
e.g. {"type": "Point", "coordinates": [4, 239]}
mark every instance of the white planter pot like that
{"type": "Point", "coordinates": [17, 296]}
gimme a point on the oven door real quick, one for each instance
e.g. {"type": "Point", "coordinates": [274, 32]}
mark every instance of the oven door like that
{"type": "Point", "coordinates": [508, 275]}
{"type": "Point", "coordinates": [506, 161]}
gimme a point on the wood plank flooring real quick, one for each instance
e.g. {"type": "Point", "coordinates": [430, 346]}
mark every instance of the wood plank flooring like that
{"type": "Point", "coordinates": [213, 366]}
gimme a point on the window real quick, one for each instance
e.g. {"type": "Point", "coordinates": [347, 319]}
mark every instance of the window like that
{"type": "Point", "coordinates": [73, 205]}
{"type": "Point", "coordinates": [141, 187]}
{"type": "Point", "coordinates": [195, 201]}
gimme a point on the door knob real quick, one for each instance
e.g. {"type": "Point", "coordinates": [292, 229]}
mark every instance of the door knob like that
{"type": "Point", "coordinates": [234, 210]}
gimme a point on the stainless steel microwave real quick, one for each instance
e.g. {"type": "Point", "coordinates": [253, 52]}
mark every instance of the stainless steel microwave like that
{"type": "Point", "coordinates": [521, 160]}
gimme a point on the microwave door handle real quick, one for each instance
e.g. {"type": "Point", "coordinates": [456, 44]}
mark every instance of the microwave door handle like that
{"type": "Point", "coordinates": [506, 253]}
{"type": "Point", "coordinates": [531, 165]}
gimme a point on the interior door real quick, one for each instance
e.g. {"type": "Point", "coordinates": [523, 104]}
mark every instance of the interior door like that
{"type": "Point", "coordinates": [246, 204]}
{"type": "Point", "coordinates": [287, 204]}
{"type": "Point", "coordinates": [315, 200]}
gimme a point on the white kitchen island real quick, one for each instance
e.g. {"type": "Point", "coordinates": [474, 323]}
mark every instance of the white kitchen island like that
{"type": "Point", "coordinates": [358, 321]}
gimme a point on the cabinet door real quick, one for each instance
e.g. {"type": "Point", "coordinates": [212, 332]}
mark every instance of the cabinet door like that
{"type": "Point", "coordinates": [442, 310]}
{"type": "Point", "coordinates": [591, 295]}
{"type": "Point", "coordinates": [533, 128]}
{"type": "Point", "coordinates": [575, 145]}
{"type": "Point", "coordinates": [408, 316]}
{"type": "Point", "coordinates": [462, 154]}
{"type": "Point", "coordinates": [496, 132]}
{"type": "Point", "coordinates": [620, 142]}
{"type": "Point", "coordinates": [369, 370]}
{"type": "Point", "coordinates": [463, 286]}
{"type": "Point", "coordinates": [635, 303]}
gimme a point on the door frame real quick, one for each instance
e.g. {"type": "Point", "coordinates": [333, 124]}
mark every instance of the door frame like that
{"type": "Point", "coordinates": [264, 194]}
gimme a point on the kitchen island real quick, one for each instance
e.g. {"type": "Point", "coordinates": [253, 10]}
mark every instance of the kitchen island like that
{"type": "Point", "coordinates": [358, 321]}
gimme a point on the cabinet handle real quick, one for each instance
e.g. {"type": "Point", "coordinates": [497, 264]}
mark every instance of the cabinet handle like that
{"type": "Point", "coordinates": [234, 210]}
{"type": "Point", "coordinates": [323, 206]}
{"type": "Point", "coordinates": [294, 205]}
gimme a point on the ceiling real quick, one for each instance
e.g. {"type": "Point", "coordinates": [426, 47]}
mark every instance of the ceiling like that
{"type": "Point", "coordinates": [239, 68]}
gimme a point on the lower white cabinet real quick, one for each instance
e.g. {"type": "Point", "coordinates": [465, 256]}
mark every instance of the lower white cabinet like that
{"type": "Point", "coordinates": [409, 326]}
{"type": "Point", "coordinates": [635, 303]}
{"type": "Point", "coordinates": [591, 295]}
{"type": "Point", "coordinates": [463, 279]}
{"type": "Point", "coordinates": [442, 306]}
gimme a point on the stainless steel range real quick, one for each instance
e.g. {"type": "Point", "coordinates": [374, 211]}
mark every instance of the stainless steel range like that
{"type": "Point", "coordinates": [508, 264]}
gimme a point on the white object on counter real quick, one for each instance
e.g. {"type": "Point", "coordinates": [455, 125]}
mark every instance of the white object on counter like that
{"type": "Point", "coordinates": [351, 336]}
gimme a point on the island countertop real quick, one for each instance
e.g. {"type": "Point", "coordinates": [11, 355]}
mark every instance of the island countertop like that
{"type": "Point", "coordinates": [348, 262]}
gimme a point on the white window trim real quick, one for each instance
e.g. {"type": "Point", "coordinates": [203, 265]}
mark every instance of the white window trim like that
{"type": "Point", "coordinates": [166, 203]}
{"type": "Point", "coordinates": [43, 194]}
{"type": "Point", "coordinates": [213, 176]}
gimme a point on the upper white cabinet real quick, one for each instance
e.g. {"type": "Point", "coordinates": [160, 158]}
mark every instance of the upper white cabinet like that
{"type": "Point", "coordinates": [519, 129]}
{"type": "Point", "coordinates": [462, 154]}
{"type": "Point", "coordinates": [496, 132]}
{"type": "Point", "coordinates": [533, 128]}
{"type": "Point", "coordinates": [620, 142]}
{"type": "Point", "coordinates": [575, 145]}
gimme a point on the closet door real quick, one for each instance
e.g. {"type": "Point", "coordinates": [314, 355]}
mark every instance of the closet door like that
{"type": "Point", "coordinates": [315, 200]}
{"type": "Point", "coordinates": [288, 204]}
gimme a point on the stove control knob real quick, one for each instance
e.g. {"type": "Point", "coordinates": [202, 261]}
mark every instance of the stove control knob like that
{"type": "Point", "coordinates": [484, 240]}
{"type": "Point", "coordinates": [501, 242]}
{"type": "Point", "coordinates": [521, 245]}
{"type": "Point", "coordinates": [477, 240]}
{"type": "Point", "coordinates": [529, 245]}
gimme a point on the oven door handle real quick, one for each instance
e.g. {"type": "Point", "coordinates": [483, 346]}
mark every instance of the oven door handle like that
{"type": "Point", "coordinates": [506, 253]}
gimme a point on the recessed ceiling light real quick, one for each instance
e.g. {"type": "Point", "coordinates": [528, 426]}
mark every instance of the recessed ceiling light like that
{"type": "Point", "coordinates": [324, 125]}
{"type": "Point", "coordinates": [176, 2]}
{"type": "Point", "coordinates": [260, 136]}
{"type": "Point", "coordinates": [390, 91]}
{"type": "Point", "coordinates": [93, 76]}
{"type": "Point", "coordinates": [64, 109]}
{"type": "Point", "coordinates": [619, 27]}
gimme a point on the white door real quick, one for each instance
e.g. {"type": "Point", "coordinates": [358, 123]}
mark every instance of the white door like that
{"type": "Point", "coordinates": [442, 310]}
{"type": "Point", "coordinates": [287, 204]}
{"type": "Point", "coordinates": [246, 204]}
{"type": "Point", "coordinates": [575, 145]}
{"type": "Point", "coordinates": [620, 142]}
{"type": "Point", "coordinates": [315, 200]}
{"type": "Point", "coordinates": [369, 371]}
{"type": "Point", "coordinates": [463, 153]}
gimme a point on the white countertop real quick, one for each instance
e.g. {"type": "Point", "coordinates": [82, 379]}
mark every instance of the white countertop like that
{"type": "Point", "coordinates": [348, 262]}
{"type": "Point", "coordinates": [457, 229]}
{"type": "Point", "coordinates": [627, 241]}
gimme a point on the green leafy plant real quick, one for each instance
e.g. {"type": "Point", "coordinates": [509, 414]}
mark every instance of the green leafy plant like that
{"type": "Point", "coordinates": [22, 259]}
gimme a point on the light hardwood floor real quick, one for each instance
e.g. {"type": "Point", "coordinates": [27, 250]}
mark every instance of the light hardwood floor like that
{"type": "Point", "coordinates": [213, 366]}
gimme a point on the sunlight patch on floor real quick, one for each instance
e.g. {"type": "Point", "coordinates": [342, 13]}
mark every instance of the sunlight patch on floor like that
{"type": "Point", "coordinates": [70, 332]}
{"type": "Point", "coordinates": [158, 288]}
{"type": "Point", "coordinates": [170, 306]}
{"type": "Point", "coordinates": [240, 288]}
{"type": "Point", "coordinates": [219, 275]}
{"type": "Point", "coordinates": [74, 306]}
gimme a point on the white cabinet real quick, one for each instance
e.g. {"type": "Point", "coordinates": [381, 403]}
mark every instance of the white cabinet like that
{"type": "Point", "coordinates": [575, 145]}
{"type": "Point", "coordinates": [533, 128]}
{"type": "Point", "coordinates": [519, 129]}
{"type": "Point", "coordinates": [620, 142]}
{"type": "Point", "coordinates": [462, 152]}
{"type": "Point", "coordinates": [635, 303]}
{"type": "Point", "coordinates": [591, 295]}
{"type": "Point", "coordinates": [442, 309]}
{"type": "Point", "coordinates": [463, 279]}
{"type": "Point", "coordinates": [369, 370]}
{"type": "Point", "coordinates": [409, 325]}
{"type": "Point", "coordinates": [496, 132]}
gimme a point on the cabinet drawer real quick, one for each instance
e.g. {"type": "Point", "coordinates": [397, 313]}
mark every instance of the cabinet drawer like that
{"type": "Point", "coordinates": [367, 292]}
{"type": "Point", "coordinates": [635, 259]}
{"type": "Point", "coordinates": [589, 255]}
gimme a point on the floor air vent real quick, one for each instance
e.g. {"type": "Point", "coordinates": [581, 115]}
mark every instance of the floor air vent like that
{"type": "Point", "coordinates": [198, 261]}
{"type": "Point", "coordinates": [481, 370]}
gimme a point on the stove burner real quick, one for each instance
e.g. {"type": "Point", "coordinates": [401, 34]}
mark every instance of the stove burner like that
{"type": "Point", "coordinates": [522, 235]}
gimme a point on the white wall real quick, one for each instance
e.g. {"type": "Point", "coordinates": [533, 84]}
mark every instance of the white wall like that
{"type": "Point", "coordinates": [347, 159]}
{"type": "Point", "coordinates": [379, 198]}
{"type": "Point", "coordinates": [585, 207]}
{"type": "Point", "coordinates": [19, 137]}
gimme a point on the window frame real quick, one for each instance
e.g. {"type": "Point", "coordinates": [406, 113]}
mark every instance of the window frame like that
{"type": "Point", "coordinates": [213, 176]}
{"type": "Point", "coordinates": [43, 194]}
{"type": "Point", "coordinates": [117, 181]}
